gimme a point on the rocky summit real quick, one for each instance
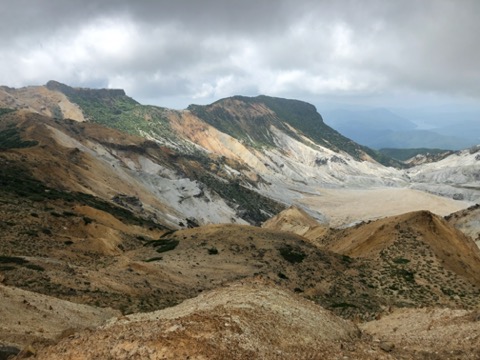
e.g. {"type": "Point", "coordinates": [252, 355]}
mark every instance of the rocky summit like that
{"type": "Point", "coordinates": [247, 228]}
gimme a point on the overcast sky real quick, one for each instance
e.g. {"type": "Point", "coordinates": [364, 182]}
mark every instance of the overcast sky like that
{"type": "Point", "coordinates": [176, 52]}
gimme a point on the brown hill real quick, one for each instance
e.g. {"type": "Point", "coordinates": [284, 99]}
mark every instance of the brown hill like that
{"type": "Point", "coordinates": [432, 258]}
{"type": "Point", "coordinates": [28, 316]}
{"type": "Point", "coordinates": [242, 321]}
{"type": "Point", "coordinates": [41, 100]}
{"type": "Point", "coordinates": [296, 221]}
{"type": "Point", "coordinates": [429, 333]}
{"type": "Point", "coordinates": [423, 230]}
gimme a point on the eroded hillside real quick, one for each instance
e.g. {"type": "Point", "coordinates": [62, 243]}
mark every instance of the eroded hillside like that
{"type": "Point", "coordinates": [130, 209]}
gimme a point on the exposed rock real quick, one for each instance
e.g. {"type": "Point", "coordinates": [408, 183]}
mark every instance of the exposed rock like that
{"type": "Point", "coordinates": [237, 322]}
{"type": "Point", "coordinates": [387, 346]}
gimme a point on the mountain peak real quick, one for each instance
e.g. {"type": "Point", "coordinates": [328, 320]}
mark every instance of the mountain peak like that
{"type": "Point", "coordinates": [68, 90]}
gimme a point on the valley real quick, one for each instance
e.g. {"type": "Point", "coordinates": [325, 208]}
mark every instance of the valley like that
{"type": "Point", "coordinates": [247, 227]}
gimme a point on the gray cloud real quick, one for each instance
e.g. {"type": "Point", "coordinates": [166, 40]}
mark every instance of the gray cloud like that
{"type": "Point", "coordinates": [176, 52]}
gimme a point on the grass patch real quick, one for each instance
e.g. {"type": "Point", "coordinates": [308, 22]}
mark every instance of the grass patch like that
{"type": "Point", "coordinates": [213, 251]}
{"type": "Point", "coordinates": [401, 261]}
{"type": "Point", "coordinates": [342, 305]}
{"type": "Point", "coordinates": [34, 267]}
{"type": "Point", "coordinates": [158, 258]}
{"type": "Point", "coordinates": [292, 255]}
{"type": "Point", "coordinates": [163, 245]}
{"type": "Point", "coordinates": [12, 260]}
{"type": "Point", "coordinates": [10, 139]}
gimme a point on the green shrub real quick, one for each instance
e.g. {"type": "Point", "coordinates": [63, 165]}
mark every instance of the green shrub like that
{"type": "Point", "coordinates": [343, 305]}
{"type": "Point", "coordinates": [34, 267]}
{"type": "Point", "coordinates": [292, 255]}
{"type": "Point", "coordinates": [213, 251]}
{"type": "Point", "coordinates": [401, 261]}
{"type": "Point", "coordinates": [158, 258]}
{"type": "Point", "coordinates": [163, 245]}
{"type": "Point", "coordinates": [12, 260]}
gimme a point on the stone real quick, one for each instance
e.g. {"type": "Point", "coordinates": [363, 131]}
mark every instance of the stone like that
{"type": "Point", "coordinates": [387, 346]}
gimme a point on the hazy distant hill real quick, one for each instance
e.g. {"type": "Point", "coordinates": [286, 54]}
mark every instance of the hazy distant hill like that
{"type": "Point", "coordinates": [380, 128]}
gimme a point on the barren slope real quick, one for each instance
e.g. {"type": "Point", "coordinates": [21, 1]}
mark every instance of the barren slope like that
{"type": "Point", "coordinates": [297, 221]}
{"type": "Point", "coordinates": [237, 322]}
{"type": "Point", "coordinates": [429, 333]}
{"type": "Point", "coordinates": [28, 316]}
{"type": "Point", "coordinates": [40, 99]}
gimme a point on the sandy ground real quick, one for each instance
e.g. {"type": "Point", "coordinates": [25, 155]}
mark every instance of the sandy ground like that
{"type": "Point", "coordinates": [345, 206]}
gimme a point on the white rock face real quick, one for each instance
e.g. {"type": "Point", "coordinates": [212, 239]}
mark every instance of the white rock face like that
{"type": "Point", "coordinates": [292, 172]}
{"type": "Point", "coordinates": [457, 176]}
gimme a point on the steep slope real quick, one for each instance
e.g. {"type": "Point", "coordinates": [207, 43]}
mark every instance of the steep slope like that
{"type": "Point", "coordinates": [258, 149]}
{"type": "Point", "coordinates": [296, 221]}
{"type": "Point", "coordinates": [42, 100]}
{"type": "Point", "coordinates": [455, 176]}
{"type": "Point", "coordinates": [430, 256]}
{"type": "Point", "coordinates": [416, 156]}
{"type": "Point", "coordinates": [163, 184]}
{"type": "Point", "coordinates": [250, 120]}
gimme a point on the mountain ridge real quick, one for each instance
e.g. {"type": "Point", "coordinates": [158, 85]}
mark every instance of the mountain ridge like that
{"type": "Point", "coordinates": [140, 208]}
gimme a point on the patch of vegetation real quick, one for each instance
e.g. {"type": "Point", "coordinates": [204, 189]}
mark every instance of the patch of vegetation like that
{"type": "Point", "coordinates": [7, 267]}
{"type": "Point", "coordinates": [401, 261]}
{"type": "Point", "coordinates": [292, 255]}
{"type": "Point", "coordinates": [163, 245]}
{"type": "Point", "coordinates": [10, 139]}
{"type": "Point", "coordinates": [30, 232]}
{"type": "Point", "coordinates": [251, 206]}
{"type": "Point", "coordinates": [46, 231]}
{"type": "Point", "coordinates": [346, 259]}
{"type": "Point", "coordinates": [12, 260]}
{"type": "Point", "coordinates": [7, 262]}
{"type": "Point", "coordinates": [4, 111]}
{"type": "Point", "coordinates": [406, 154]}
{"type": "Point", "coordinates": [342, 305]}
{"type": "Point", "coordinates": [252, 131]}
{"type": "Point", "coordinates": [213, 251]}
{"type": "Point", "coordinates": [158, 258]}
{"type": "Point", "coordinates": [114, 109]}
{"type": "Point", "coordinates": [31, 188]}
{"type": "Point", "coordinates": [35, 267]}
{"type": "Point", "coordinates": [407, 275]}
{"type": "Point", "coordinates": [300, 115]}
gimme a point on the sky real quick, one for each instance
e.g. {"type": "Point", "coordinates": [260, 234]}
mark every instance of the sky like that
{"type": "Point", "coordinates": [172, 53]}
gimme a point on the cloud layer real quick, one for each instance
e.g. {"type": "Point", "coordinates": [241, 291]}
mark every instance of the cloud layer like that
{"type": "Point", "coordinates": [173, 53]}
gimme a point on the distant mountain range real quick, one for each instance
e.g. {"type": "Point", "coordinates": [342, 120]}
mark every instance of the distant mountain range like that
{"type": "Point", "coordinates": [381, 128]}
